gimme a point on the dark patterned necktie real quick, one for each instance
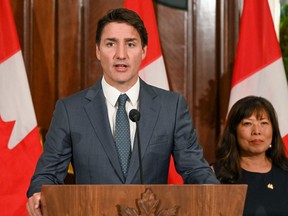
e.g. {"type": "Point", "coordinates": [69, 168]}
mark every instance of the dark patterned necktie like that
{"type": "Point", "coordinates": [122, 134]}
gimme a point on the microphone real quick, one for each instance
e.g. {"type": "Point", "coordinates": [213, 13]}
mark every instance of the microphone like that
{"type": "Point", "coordinates": [134, 116]}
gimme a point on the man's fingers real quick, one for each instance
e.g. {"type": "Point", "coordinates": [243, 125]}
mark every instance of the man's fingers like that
{"type": "Point", "coordinates": [33, 205]}
{"type": "Point", "coordinates": [28, 209]}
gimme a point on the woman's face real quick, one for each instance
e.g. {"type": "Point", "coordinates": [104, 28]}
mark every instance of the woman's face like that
{"type": "Point", "coordinates": [254, 135]}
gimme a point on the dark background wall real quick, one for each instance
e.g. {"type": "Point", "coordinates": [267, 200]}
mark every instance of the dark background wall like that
{"type": "Point", "coordinates": [198, 44]}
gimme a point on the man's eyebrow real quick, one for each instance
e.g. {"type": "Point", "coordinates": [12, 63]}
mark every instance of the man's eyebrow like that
{"type": "Point", "coordinates": [131, 39]}
{"type": "Point", "coordinates": [126, 39]}
{"type": "Point", "coordinates": [110, 39]}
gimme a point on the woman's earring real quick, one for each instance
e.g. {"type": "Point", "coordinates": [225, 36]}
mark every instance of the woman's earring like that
{"type": "Point", "coordinates": [270, 146]}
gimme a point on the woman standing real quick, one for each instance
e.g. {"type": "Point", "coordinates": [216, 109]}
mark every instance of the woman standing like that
{"type": "Point", "coordinates": [252, 152]}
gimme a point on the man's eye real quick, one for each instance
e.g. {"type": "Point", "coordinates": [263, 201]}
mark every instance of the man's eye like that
{"type": "Point", "coordinates": [131, 45]}
{"type": "Point", "coordinates": [110, 44]}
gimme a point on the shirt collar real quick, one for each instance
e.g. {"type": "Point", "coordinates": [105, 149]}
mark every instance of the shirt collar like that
{"type": "Point", "coordinates": [111, 94]}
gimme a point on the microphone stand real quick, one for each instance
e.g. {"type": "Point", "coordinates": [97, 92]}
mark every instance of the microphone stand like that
{"type": "Point", "coordinates": [134, 116]}
{"type": "Point", "coordinates": [139, 152]}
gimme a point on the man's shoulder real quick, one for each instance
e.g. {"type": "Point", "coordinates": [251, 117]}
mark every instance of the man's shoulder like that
{"type": "Point", "coordinates": [83, 95]}
{"type": "Point", "coordinates": [75, 96]}
{"type": "Point", "coordinates": [159, 91]}
{"type": "Point", "coordinates": [86, 92]}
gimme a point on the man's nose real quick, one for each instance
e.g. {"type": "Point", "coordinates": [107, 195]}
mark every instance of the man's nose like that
{"type": "Point", "coordinates": [121, 52]}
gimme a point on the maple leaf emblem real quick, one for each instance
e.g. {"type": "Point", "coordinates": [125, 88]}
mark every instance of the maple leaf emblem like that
{"type": "Point", "coordinates": [147, 206]}
{"type": "Point", "coordinates": [16, 168]}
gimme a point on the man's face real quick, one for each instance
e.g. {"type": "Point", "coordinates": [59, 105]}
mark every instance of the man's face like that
{"type": "Point", "coordinates": [120, 53]}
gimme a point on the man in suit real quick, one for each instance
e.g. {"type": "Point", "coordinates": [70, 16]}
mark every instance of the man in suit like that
{"type": "Point", "coordinates": [83, 128]}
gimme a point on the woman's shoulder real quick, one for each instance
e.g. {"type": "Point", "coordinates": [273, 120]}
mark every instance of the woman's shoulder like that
{"type": "Point", "coordinates": [215, 167]}
{"type": "Point", "coordinates": [278, 170]}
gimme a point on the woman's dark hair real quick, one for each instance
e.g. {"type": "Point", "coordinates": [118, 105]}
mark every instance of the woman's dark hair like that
{"type": "Point", "coordinates": [227, 152]}
{"type": "Point", "coordinates": [122, 15]}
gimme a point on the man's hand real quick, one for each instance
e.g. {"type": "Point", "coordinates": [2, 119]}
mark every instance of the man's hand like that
{"type": "Point", "coordinates": [33, 205]}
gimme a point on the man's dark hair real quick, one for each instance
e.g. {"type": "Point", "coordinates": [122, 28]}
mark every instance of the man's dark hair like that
{"type": "Point", "coordinates": [122, 15]}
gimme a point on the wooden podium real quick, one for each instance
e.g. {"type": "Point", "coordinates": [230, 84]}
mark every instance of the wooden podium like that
{"type": "Point", "coordinates": [144, 200]}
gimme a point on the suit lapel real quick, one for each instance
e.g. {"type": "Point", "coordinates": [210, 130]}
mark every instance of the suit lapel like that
{"type": "Point", "coordinates": [149, 109]}
{"type": "Point", "coordinates": [97, 112]}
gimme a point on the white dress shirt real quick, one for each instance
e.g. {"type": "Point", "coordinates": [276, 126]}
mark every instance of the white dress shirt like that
{"type": "Point", "coordinates": [111, 95]}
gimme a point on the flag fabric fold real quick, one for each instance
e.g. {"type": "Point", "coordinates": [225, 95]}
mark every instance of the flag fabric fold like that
{"type": "Point", "coordinates": [20, 145]}
{"type": "Point", "coordinates": [152, 69]}
{"type": "Point", "coordinates": [259, 68]}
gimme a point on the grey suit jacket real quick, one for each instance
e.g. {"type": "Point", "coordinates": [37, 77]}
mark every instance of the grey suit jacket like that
{"type": "Point", "coordinates": [80, 132]}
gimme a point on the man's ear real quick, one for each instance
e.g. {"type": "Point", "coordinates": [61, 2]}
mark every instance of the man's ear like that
{"type": "Point", "coordinates": [97, 52]}
{"type": "Point", "coordinates": [144, 52]}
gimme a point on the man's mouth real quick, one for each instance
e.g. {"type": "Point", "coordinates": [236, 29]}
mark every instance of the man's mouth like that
{"type": "Point", "coordinates": [121, 67]}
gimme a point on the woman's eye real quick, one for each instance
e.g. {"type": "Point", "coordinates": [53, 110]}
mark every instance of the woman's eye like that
{"type": "Point", "coordinates": [264, 122]}
{"type": "Point", "coordinates": [246, 123]}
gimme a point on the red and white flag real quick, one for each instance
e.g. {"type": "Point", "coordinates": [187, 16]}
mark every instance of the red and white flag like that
{"type": "Point", "coordinates": [152, 69]}
{"type": "Point", "coordinates": [20, 145]}
{"type": "Point", "coordinates": [259, 68]}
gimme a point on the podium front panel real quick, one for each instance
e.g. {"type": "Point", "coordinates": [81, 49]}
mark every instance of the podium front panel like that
{"type": "Point", "coordinates": [130, 200]}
